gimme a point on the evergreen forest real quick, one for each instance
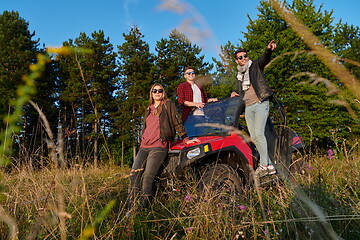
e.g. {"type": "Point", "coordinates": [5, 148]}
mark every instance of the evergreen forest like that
{"type": "Point", "coordinates": [94, 95]}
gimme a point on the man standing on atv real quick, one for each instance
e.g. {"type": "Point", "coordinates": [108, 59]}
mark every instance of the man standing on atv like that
{"type": "Point", "coordinates": [254, 90]}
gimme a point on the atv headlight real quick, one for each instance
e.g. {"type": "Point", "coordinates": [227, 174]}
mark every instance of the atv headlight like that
{"type": "Point", "coordinates": [193, 153]}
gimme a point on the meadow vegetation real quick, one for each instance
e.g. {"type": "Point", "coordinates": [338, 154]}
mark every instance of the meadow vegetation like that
{"type": "Point", "coordinates": [276, 209]}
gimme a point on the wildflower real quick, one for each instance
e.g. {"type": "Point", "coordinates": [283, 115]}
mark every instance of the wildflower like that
{"type": "Point", "coordinates": [330, 154]}
{"type": "Point", "coordinates": [243, 207]}
{"type": "Point", "coordinates": [239, 234]}
{"type": "Point", "coordinates": [188, 229]}
{"type": "Point", "coordinates": [309, 167]}
{"type": "Point", "coordinates": [219, 205]}
{"type": "Point", "coordinates": [188, 198]}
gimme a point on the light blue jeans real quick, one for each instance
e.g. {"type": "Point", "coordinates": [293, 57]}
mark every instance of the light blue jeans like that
{"type": "Point", "coordinates": [256, 116]}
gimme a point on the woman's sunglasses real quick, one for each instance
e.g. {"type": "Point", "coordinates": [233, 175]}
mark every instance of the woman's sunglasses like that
{"type": "Point", "coordinates": [241, 57]}
{"type": "Point", "coordinates": [157, 90]}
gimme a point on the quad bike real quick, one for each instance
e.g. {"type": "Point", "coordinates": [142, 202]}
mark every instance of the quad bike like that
{"type": "Point", "coordinates": [225, 157]}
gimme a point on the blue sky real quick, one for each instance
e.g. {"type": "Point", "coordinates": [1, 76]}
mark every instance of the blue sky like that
{"type": "Point", "coordinates": [207, 23]}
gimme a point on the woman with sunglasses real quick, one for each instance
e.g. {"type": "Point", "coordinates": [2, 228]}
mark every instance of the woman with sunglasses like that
{"type": "Point", "coordinates": [254, 90]}
{"type": "Point", "coordinates": [161, 122]}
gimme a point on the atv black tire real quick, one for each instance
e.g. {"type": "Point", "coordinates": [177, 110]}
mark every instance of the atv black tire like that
{"type": "Point", "coordinates": [221, 181]}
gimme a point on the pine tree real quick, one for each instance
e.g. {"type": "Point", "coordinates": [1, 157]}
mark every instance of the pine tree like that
{"type": "Point", "coordinates": [295, 69]}
{"type": "Point", "coordinates": [86, 98]}
{"type": "Point", "coordinates": [17, 51]}
{"type": "Point", "coordinates": [225, 72]}
{"type": "Point", "coordinates": [136, 77]}
{"type": "Point", "coordinates": [173, 55]}
{"type": "Point", "coordinates": [35, 138]}
{"type": "Point", "coordinates": [347, 46]}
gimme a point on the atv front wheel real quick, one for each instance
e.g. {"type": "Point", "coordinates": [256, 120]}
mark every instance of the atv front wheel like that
{"type": "Point", "coordinates": [222, 182]}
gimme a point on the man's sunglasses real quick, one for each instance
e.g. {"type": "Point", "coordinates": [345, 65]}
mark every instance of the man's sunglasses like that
{"type": "Point", "coordinates": [157, 90]}
{"type": "Point", "coordinates": [189, 73]}
{"type": "Point", "coordinates": [241, 57]}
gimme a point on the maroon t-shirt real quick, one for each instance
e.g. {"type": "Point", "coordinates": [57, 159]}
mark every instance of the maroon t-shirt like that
{"type": "Point", "coordinates": [151, 135]}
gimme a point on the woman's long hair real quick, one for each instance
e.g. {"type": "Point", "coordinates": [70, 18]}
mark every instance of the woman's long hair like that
{"type": "Point", "coordinates": [151, 99]}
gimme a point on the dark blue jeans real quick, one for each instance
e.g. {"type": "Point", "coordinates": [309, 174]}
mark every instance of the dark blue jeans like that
{"type": "Point", "coordinates": [143, 172]}
{"type": "Point", "coordinates": [191, 129]}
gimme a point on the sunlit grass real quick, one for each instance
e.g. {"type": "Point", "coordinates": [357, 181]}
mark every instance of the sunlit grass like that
{"type": "Point", "coordinates": [180, 211]}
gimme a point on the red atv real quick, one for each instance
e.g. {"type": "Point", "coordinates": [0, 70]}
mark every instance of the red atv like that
{"type": "Point", "coordinates": [225, 155]}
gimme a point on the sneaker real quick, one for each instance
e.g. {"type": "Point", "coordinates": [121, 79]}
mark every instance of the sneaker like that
{"type": "Point", "coordinates": [271, 169]}
{"type": "Point", "coordinates": [261, 171]}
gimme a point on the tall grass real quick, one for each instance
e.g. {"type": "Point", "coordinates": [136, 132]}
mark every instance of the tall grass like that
{"type": "Point", "coordinates": [180, 211]}
{"type": "Point", "coordinates": [32, 197]}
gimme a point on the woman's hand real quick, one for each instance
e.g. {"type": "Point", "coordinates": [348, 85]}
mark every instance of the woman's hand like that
{"type": "Point", "coordinates": [189, 141]}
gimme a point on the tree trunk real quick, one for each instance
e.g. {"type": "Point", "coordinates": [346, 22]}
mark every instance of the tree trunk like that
{"type": "Point", "coordinates": [134, 151]}
{"type": "Point", "coordinates": [122, 153]}
{"type": "Point", "coordinates": [96, 139]}
{"type": "Point", "coordinates": [83, 152]}
{"type": "Point", "coordinates": [134, 145]}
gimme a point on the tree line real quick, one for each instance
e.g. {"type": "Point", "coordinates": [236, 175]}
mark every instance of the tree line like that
{"type": "Point", "coordinates": [97, 100]}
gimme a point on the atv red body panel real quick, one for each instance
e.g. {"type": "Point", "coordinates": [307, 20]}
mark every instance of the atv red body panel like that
{"type": "Point", "coordinates": [221, 143]}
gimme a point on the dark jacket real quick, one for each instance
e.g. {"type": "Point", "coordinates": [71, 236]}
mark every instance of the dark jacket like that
{"type": "Point", "coordinates": [257, 77]}
{"type": "Point", "coordinates": [170, 122]}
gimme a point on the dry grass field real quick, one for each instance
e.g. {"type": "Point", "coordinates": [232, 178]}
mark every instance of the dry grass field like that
{"type": "Point", "coordinates": [319, 201]}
